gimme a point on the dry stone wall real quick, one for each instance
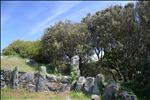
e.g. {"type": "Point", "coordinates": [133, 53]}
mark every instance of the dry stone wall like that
{"type": "Point", "coordinates": [34, 81]}
{"type": "Point", "coordinates": [43, 82]}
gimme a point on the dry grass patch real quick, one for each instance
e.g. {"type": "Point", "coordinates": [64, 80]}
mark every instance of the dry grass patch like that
{"type": "Point", "coordinates": [10, 62]}
{"type": "Point", "coordinates": [9, 94]}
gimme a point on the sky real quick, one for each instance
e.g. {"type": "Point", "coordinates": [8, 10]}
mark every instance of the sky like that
{"type": "Point", "coordinates": [26, 20]}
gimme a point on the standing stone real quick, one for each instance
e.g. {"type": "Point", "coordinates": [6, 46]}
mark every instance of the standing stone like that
{"type": "Point", "coordinates": [75, 65]}
{"type": "Point", "coordinates": [98, 84]}
{"type": "Point", "coordinates": [80, 83]}
{"type": "Point", "coordinates": [3, 84]}
{"type": "Point", "coordinates": [15, 78]}
{"type": "Point", "coordinates": [89, 84]}
{"type": "Point", "coordinates": [41, 80]}
{"type": "Point", "coordinates": [43, 71]}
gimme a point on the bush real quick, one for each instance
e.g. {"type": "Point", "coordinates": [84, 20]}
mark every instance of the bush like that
{"type": "Point", "coordinates": [25, 49]}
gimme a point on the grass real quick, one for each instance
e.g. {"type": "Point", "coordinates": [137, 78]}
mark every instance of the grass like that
{"type": "Point", "coordinates": [10, 62]}
{"type": "Point", "coordinates": [9, 94]}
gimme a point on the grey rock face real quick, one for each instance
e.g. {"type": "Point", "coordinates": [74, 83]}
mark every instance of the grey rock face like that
{"type": "Point", "coordinates": [80, 83]}
{"type": "Point", "coordinates": [89, 84]}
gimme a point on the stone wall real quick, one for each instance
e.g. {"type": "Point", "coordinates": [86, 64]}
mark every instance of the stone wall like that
{"type": "Point", "coordinates": [34, 81]}
{"type": "Point", "coordinates": [43, 82]}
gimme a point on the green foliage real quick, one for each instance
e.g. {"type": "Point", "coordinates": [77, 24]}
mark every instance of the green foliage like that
{"type": "Point", "coordinates": [25, 49]}
{"type": "Point", "coordinates": [73, 76]}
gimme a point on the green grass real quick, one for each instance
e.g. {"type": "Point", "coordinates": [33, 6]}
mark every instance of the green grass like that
{"type": "Point", "coordinates": [10, 62]}
{"type": "Point", "coordinates": [9, 94]}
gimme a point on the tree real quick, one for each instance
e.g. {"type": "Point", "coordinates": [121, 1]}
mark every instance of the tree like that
{"type": "Point", "coordinates": [64, 39]}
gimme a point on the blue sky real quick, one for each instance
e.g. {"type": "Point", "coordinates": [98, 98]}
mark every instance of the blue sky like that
{"type": "Point", "coordinates": [27, 20]}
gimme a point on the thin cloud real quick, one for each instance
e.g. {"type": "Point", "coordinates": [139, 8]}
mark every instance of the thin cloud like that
{"type": "Point", "coordinates": [62, 7]}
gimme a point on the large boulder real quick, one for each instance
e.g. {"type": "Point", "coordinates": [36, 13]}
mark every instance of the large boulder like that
{"type": "Point", "coordinates": [27, 77]}
{"type": "Point", "coordinates": [27, 81]}
{"type": "Point", "coordinates": [89, 84]}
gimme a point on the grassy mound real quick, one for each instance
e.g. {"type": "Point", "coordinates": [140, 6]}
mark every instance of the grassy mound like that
{"type": "Point", "coordinates": [10, 62]}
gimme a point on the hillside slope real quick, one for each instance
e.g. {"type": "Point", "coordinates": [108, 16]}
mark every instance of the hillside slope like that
{"type": "Point", "coordinates": [10, 62]}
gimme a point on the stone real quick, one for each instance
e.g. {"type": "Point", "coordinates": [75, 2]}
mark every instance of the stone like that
{"type": "Point", "coordinates": [75, 65]}
{"type": "Point", "coordinates": [31, 88]}
{"type": "Point", "coordinates": [3, 84]}
{"type": "Point", "coordinates": [111, 91]}
{"type": "Point", "coordinates": [27, 81]}
{"type": "Point", "coordinates": [80, 83]}
{"type": "Point", "coordinates": [63, 79]}
{"type": "Point", "coordinates": [89, 84]}
{"type": "Point", "coordinates": [58, 87]}
{"type": "Point", "coordinates": [27, 77]}
{"type": "Point", "coordinates": [41, 84]}
{"type": "Point", "coordinates": [51, 78]}
{"type": "Point", "coordinates": [98, 84]}
{"type": "Point", "coordinates": [2, 78]}
{"type": "Point", "coordinates": [73, 85]}
{"type": "Point", "coordinates": [126, 96]}
{"type": "Point", "coordinates": [43, 71]}
{"type": "Point", "coordinates": [8, 76]}
{"type": "Point", "coordinates": [64, 87]}
{"type": "Point", "coordinates": [31, 62]}
{"type": "Point", "coordinates": [68, 98]}
{"type": "Point", "coordinates": [15, 78]}
{"type": "Point", "coordinates": [95, 97]}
